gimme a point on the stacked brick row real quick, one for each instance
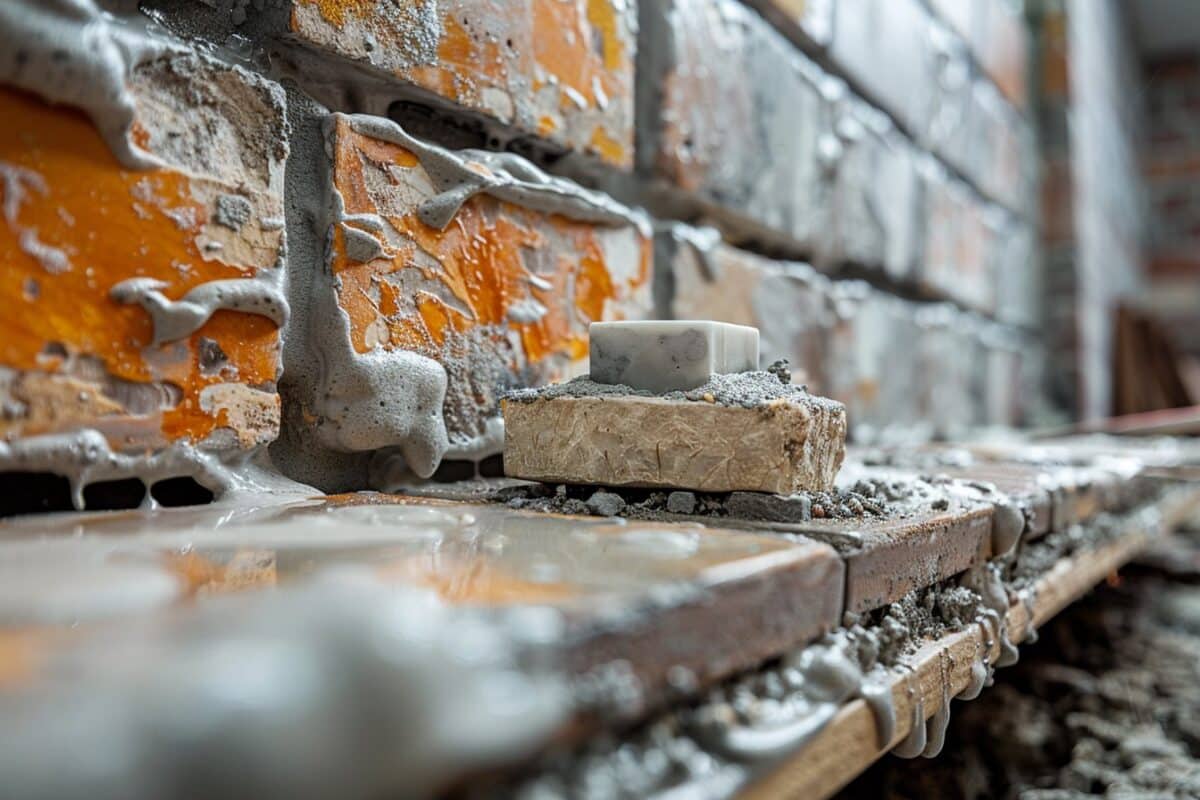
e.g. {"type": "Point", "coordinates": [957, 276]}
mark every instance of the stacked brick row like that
{"type": "Point", "coordinates": [326, 225]}
{"type": "Point", "coordinates": [949, 161]}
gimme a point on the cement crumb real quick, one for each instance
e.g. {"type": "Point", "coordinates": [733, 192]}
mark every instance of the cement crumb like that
{"type": "Point", "coordinates": [740, 389]}
{"type": "Point", "coordinates": [865, 500]}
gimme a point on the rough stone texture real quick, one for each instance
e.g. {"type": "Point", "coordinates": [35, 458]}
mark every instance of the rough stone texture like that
{"type": "Point", "coordinates": [560, 71]}
{"type": "Point", "coordinates": [500, 298]}
{"type": "Point", "coordinates": [780, 447]}
{"type": "Point", "coordinates": [729, 110]}
{"type": "Point", "coordinates": [788, 302]}
{"type": "Point", "coordinates": [72, 357]}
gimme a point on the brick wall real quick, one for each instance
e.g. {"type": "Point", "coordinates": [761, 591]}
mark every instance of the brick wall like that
{"type": "Point", "coordinates": [343, 229]}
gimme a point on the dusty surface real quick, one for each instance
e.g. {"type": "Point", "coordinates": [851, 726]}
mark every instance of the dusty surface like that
{"type": "Point", "coordinates": [1107, 704]}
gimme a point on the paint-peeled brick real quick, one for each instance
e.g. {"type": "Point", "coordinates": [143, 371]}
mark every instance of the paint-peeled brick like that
{"type": "Point", "coordinates": [731, 113]}
{"type": "Point", "coordinates": [428, 319]}
{"type": "Point", "coordinates": [782, 446]}
{"type": "Point", "coordinates": [558, 70]}
{"type": "Point", "coordinates": [787, 301]}
{"type": "Point", "coordinates": [77, 354]}
{"type": "Point", "coordinates": [886, 47]}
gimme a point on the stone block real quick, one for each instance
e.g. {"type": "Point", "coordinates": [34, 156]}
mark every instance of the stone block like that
{"type": "Point", "coordinates": [699, 277]}
{"type": "Point", "coordinates": [784, 444]}
{"type": "Point", "coordinates": [452, 276]}
{"type": "Point", "coordinates": [732, 114]}
{"type": "Point", "coordinates": [143, 247]}
{"type": "Point", "coordinates": [557, 71]}
{"type": "Point", "coordinates": [669, 355]}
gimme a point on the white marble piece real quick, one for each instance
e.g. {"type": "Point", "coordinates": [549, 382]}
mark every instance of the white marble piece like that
{"type": "Point", "coordinates": [669, 355]}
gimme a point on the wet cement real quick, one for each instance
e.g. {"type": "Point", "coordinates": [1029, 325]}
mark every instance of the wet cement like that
{"type": "Point", "coordinates": [740, 389]}
{"type": "Point", "coordinates": [1106, 704]}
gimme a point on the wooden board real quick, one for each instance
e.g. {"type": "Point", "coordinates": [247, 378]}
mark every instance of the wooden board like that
{"type": "Point", "coordinates": [848, 745]}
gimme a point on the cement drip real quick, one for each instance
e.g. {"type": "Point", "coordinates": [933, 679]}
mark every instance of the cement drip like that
{"type": "Point", "coordinates": [459, 175]}
{"type": "Point", "coordinates": [178, 319]}
{"type": "Point", "coordinates": [84, 457]}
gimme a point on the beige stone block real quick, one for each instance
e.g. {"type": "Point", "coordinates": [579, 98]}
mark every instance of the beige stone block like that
{"type": "Point", "coordinates": [782, 446]}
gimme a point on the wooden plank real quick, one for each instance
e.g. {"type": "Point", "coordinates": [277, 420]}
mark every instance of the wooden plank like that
{"type": "Point", "coordinates": [849, 744]}
{"type": "Point", "coordinates": [892, 557]}
{"type": "Point", "coordinates": [661, 599]}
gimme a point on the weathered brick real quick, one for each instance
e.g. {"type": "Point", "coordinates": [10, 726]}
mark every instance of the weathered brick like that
{"type": "Point", "coordinates": [450, 278]}
{"type": "Point", "coordinates": [948, 130]}
{"type": "Point", "coordinates": [560, 71]}
{"type": "Point", "coordinates": [198, 222]}
{"type": "Point", "coordinates": [1002, 45]}
{"type": "Point", "coordinates": [949, 395]}
{"type": "Point", "coordinates": [875, 194]}
{"type": "Point", "coordinates": [958, 244]}
{"type": "Point", "coordinates": [875, 336]}
{"type": "Point", "coordinates": [732, 113]}
{"type": "Point", "coordinates": [1003, 147]}
{"type": "Point", "coordinates": [1018, 297]}
{"type": "Point", "coordinates": [810, 19]}
{"type": "Point", "coordinates": [698, 277]}
{"type": "Point", "coordinates": [885, 46]}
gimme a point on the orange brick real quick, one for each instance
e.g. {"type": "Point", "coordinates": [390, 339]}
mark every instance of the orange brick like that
{"type": "Point", "coordinates": [77, 223]}
{"type": "Point", "coordinates": [562, 71]}
{"type": "Point", "coordinates": [491, 294]}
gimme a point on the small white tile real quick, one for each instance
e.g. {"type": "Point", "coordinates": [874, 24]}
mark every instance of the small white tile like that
{"type": "Point", "coordinates": [669, 355]}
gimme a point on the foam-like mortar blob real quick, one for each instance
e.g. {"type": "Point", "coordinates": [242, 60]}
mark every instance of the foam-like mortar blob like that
{"type": "Point", "coordinates": [178, 319]}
